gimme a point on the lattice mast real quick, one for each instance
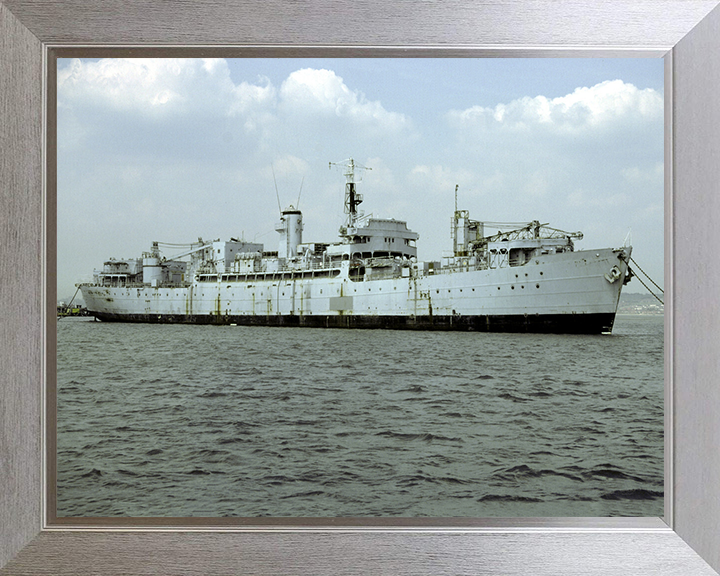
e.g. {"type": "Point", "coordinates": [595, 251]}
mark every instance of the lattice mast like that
{"type": "Point", "coordinates": [352, 197]}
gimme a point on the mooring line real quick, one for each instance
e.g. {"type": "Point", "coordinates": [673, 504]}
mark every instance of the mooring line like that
{"type": "Point", "coordinates": [646, 286]}
{"type": "Point", "coordinates": [646, 276]}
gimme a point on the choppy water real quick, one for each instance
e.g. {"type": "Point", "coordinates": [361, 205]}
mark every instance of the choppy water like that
{"type": "Point", "coordinates": [173, 420]}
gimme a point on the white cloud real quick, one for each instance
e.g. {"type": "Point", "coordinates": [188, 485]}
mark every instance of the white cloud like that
{"type": "Point", "coordinates": [121, 84]}
{"type": "Point", "coordinates": [585, 199]}
{"type": "Point", "coordinates": [179, 85]}
{"type": "Point", "coordinates": [188, 95]}
{"type": "Point", "coordinates": [248, 97]}
{"type": "Point", "coordinates": [288, 174]}
{"type": "Point", "coordinates": [587, 108]}
{"type": "Point", "coordinates": [642, 176]}
{"type": "Point", "coordinates": [437, 179]}
{"type": "Point", "coordinates": [538, 183]}
{"type": "Point", "coordinates": [310, 91]}
{"type": "Point", "coordinates": [159, 86]}
{"type": "Point", "coordinates": [290, 166]}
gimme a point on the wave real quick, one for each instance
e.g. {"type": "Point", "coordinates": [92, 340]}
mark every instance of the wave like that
{"type": "Point", "coordinates": [233, 441]}
{"type": "Point", "coordinates": [507, 498]}
{"type": "Point", "coordinates": [634, 494]}
{"type": "Point", "coordinates": [508, 396]}
{"type": "Point", "coordinates": [612, 473]}
{"type": "Point", "coordinates": [415, 479]}
{"type": "Point", "coordinates": [303, 494]}
{"type": "Point", "coordinates": [350, 433]}
{"type": "Point", "coordinates": [523, 471]}
{"type": "Point", "coordinates": [212, 394]}
{"type": "Point", "coordinates": [414, 388]}
{"type": "Point", "coordinates": [427, 437]}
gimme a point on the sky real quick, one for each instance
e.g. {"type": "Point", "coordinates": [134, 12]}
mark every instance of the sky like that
{"type": "Point", "coordinates": [175, 149]}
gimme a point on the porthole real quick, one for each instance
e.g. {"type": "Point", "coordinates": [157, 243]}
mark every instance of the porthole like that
{"type": "Point", "coordinates": [537, 285]}
{"type": "Point", "coordinates": [512, 287]}
{"type": "Point", "coordinates": [498, 287]}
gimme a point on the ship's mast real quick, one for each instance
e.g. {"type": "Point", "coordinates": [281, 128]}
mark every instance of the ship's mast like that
{"type": "Point", "coordinates": [352, 197]}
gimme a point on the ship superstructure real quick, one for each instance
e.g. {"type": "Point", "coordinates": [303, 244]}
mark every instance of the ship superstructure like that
{"type": "Point", "coordinates": [526, 277]}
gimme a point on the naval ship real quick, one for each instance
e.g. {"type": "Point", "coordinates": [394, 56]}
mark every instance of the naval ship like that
{"type": "Point", "coordinates": [522, 278]}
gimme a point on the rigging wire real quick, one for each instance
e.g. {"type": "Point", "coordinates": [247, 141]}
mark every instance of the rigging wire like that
{"type": "Point", "coordinates": [505, 224]}
{"type": "Point", "coordinates": [276, 188]}
{"type": "Point", "coordinates": [298, 200]}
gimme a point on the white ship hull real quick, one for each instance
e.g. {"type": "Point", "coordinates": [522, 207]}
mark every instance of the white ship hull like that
{"type": "Point", "coordinates": [567, 292]}
{"type": "Point", "coordinates": [527, 278]}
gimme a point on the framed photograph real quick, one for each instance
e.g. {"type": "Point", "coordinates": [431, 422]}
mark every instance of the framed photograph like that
{"type": "Point", "coordinates": [555, 545]}
{"type": "Point", "coordinates": [492, 329]}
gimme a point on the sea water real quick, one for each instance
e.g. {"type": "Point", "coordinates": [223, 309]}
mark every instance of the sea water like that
{"type": "Point", "coordinates": [215, 421]}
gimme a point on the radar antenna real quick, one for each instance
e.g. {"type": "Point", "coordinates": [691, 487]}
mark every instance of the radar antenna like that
{"type": "Point", "coordinates": [352, 197]}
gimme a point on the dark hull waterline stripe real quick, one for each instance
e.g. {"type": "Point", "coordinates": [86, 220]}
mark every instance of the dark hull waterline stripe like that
{"type": "Point", "coordinates": [536, 323]}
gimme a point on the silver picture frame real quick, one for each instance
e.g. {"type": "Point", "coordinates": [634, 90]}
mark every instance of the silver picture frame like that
{"type": "Point", "coordinates": [685, 541]}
